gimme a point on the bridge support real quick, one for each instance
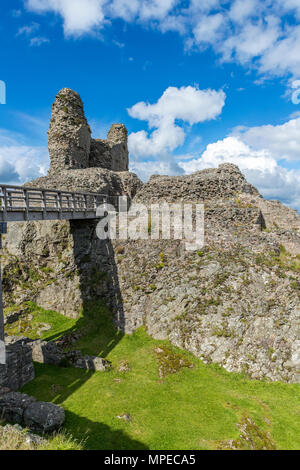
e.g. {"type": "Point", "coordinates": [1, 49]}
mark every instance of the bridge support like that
{"type": "Point", "coordinates": [3, 229]}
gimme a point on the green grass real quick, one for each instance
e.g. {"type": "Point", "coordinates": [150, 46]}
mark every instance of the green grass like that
{"type": "Point", "coordinates": [196, 407]}
{"type": "Point", "coordinates": [29, 327]}
{"type": "Point", "coordinates": [12, 439]}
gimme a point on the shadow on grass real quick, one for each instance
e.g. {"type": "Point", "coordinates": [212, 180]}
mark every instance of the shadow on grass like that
{"type": "Point", "coordinates": [99, 328]}
{"type": "Point", "coordinates": [100, 331]}
{"type": "Point", "coordinates": [92, 434]}
{"type": "Point", "coordinates": [99, 436]}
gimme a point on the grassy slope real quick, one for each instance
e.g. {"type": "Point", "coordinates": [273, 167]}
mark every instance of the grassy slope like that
{"type": "Point", "coordinates": [195, 408]}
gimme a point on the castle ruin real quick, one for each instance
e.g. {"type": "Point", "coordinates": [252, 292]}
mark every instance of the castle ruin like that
{"type": "Point", "coordinates": [70, 144]}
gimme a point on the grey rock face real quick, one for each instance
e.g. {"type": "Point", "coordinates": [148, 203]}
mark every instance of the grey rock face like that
{"type": "Point", "coordinates": [70, 252]}
{"type": "Point", "coordinates": [69, 136]}
{"type": "Point", "coordinates": [235, 302]}
{"type": "Point", "coordinates": [98, 180]}
{"type": "Point", "coordinates": [117, 134]}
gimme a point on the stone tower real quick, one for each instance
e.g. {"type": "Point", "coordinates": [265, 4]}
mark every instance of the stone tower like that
{"type": "Point", "coordinates": [69, 136]}
{"type": "Point", "coordinates": [111, 153]}
{"type": "Point", "coordinates": [70, 143]}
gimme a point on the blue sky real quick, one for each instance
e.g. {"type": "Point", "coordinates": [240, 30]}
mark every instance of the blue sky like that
{"type": "Point", "coordinates": [196, 83]}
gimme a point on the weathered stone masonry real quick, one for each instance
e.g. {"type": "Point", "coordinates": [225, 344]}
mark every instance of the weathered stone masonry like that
{"type": "Point", "coordinates": [70, 144]}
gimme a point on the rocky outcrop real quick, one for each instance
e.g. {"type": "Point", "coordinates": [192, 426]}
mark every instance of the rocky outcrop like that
{"type": "Point", "coordinates": [232, 304]}
{"type": "Point", "coordinates": [41, 417]}
{"type": "Point", "coordinates": [206, 185]}
{"type": "Point", "coordinates": [97, 180]}
{"type": "Point", "coordinates": [59, 265]}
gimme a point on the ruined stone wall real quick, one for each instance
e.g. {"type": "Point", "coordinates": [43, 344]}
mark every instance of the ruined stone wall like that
{"type": "Point", "coordinates": [111, 153]}
{"type": "Point", "coordinates": [18, 369]}
{"type": "Point", "coordinates": [70, 143]}
{"type": "Point", "coordinates": [210, 184]}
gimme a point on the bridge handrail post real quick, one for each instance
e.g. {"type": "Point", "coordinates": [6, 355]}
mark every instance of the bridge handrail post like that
{"type": "Point", "coordinates": [44, 203]}
{"type": "Point", "coordinates": [26, 194]}
{"type": "Point", "coordinates": [4, 203]}
{"type": "Point", "coordinates": [59, 203]}
{"type": "Point", "coordinates": [69, 200]}
{"type": "Point", "coordinates": [74, 204]}
{"type": "Point", "coordinates": [9, 200]}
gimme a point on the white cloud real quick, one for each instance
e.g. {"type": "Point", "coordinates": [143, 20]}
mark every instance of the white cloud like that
{"type": "Point", "coordinates": [282, 57]}
{"type": "Point", "coordinates": [167, 166]}
{"type": "Point", "coordinates": [27, 30]}
{"type": "Point", "coordinates": [20, 163]}
{"type": "Point", "coordinates": [263, 33]}
{"type": "Point", "coordinates": [38, 41]}
{"type": "Point", "coordinates": [252, 41]}
{"type": "Point", "coordinates": [282, 141]}
{"type": "Point", "coordinates": [142, 10]}
{"type": "Point", "coordinates": [79, 17]}
{"type": "Point", "coordinates": [258, 160]}
{"type": "Point", "coordinates": [233, 150]}
{"type": "Point", "coordinates": [241, 10]}
{"type": "Point", "coordinates": [186, 104]}
{"type": "Point", "coordinates": [290, 6]}
{"type": "Point", "coordinates": [209, 28]}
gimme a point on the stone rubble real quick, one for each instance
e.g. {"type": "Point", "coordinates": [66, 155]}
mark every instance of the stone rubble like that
{"type": "Point", "coordinates": [49, 352]}
{"type": "Point", "coordinates": [40, 417]}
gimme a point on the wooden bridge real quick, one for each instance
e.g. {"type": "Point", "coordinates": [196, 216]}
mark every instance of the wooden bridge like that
{"type": "Point", "coordinates": [20, 204]}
